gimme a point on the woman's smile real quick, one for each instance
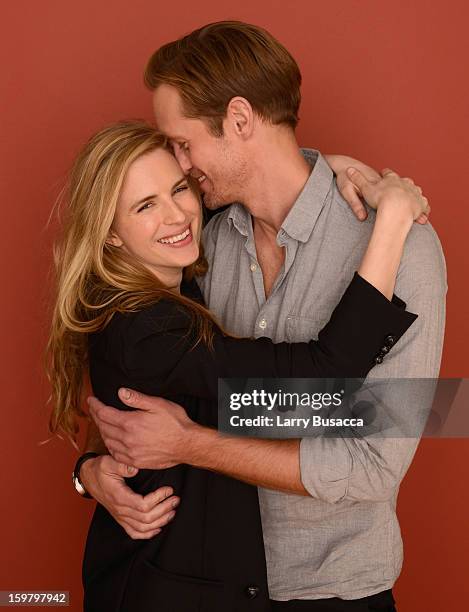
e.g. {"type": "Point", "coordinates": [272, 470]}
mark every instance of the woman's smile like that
{"type": "Point", "coordinates": [178, 240]}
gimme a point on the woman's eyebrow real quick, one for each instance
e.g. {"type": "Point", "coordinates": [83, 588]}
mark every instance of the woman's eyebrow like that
{"type": "Point", "coordinates": [182, 180]}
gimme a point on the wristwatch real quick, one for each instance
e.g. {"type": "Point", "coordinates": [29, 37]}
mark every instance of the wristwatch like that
{"type": "Point", "coordinates": [76, 474]}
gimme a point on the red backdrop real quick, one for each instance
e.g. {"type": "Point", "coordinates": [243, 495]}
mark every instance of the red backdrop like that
{"type": "Point", "coordinates": [384, 82]}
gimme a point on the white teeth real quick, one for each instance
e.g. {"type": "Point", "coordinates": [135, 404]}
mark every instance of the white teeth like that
{"type": "Point", "coordinates": [201, 178]}
{"type": "Point", "coordinates": [174, 239]}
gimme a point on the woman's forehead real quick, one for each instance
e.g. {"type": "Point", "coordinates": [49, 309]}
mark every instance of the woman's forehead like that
{"type": "Point", "coordinates": [156, 171]}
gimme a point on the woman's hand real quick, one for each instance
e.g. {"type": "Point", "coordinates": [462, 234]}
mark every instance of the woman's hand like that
{"type": "Point", "coordinates": [142, 517]}
{"type": "Point", "coordinates": [392, 193]}
{"type": "Point", "coordinates": [348, 190]}
{"type": "Point", "coordinates": [351, 189]}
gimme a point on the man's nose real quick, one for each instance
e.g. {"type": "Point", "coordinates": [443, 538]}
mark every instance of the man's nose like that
{"type": "Point", "coordinates": [183, 159]}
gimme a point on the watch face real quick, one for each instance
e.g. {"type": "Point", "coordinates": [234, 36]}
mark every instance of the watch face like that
{"type": "Point", "coordinates": [78, 486]}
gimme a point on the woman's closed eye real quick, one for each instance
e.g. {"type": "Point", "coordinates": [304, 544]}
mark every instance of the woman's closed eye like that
{"type": "Point", "coordinates": [180, 188]}
{"type": "Point", "coordinates": [145, 206]}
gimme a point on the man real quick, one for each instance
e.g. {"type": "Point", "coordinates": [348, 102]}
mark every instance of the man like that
{"type": "Point", "coordinates": [227, 96]}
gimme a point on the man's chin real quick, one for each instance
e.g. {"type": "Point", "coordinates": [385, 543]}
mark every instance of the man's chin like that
{"type": "Point", "coordinates": [212, 203]}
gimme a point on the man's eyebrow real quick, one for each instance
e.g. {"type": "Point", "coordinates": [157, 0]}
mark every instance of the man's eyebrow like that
{"type": "Point", "coordinates": [155, 195]}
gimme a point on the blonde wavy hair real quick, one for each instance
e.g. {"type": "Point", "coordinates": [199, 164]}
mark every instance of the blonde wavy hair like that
{"type": "Point", "coordinates": [94, 279]}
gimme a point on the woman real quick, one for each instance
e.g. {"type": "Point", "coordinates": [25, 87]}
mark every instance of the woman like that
{"type": "Point", "coordinates": [128, 307]}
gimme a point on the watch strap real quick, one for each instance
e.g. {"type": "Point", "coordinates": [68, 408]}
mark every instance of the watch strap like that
{"type": "Point", "coordinates": [76, 473]}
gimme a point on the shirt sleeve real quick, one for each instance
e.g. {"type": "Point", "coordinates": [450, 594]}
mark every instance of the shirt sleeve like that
{"type": "Point", "coordinates": [370, 468]}
{"type": "Point", "coordinates": [159, 344]}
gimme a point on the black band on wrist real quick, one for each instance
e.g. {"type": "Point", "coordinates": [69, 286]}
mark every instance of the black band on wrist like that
{"type": "Point", "coordinates": [76, 472]}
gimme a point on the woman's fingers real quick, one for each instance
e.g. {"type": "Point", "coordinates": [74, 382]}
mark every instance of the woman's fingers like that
{"type": "Point", "coordinates": [350, 194]}
{"type": "Point", "coordinates": [422, 219]}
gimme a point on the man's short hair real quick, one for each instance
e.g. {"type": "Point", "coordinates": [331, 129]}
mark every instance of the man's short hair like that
{"type": "Point", "coordinates": [222, 60]}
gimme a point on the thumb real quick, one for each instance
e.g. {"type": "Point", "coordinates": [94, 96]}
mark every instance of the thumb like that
{"type": "Point", "coordinates": [136, 399]}
{"type": "Point", "coordinates": [127, 471]}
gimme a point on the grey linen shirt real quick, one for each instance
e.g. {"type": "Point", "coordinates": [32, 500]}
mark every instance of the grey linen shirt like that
{"type": "Point", "coordinates": [344, 540]}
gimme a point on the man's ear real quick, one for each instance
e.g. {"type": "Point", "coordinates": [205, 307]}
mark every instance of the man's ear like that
{"type": "Point", "coordinates": [239, 117]}
{"type": "Point", "coordinates": [113, 239]}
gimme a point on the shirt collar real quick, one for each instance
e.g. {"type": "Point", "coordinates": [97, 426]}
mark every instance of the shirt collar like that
{"type": "Point", "coordinates": [301, 219]}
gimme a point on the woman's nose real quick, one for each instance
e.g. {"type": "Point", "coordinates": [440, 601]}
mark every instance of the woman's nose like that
{"type": "Point", "coordinates": [173, 213]}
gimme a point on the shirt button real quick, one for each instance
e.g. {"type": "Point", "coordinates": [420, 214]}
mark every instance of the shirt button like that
{"type": "Point", "coordinates": [251, 592]}
{"type": "Point", "coordinates": [253, 267]}
{"type": "Point", "coordinates": [389, 340]}
{"type": "Point", "coordinates": [262, 323]}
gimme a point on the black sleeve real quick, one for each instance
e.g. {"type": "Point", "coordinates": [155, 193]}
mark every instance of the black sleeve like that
{"type": "Point", "coordinates": [159, 345]}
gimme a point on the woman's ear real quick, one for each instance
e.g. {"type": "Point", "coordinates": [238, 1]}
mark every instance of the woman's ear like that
{"type": "Point", "coordinates": [113, 239]}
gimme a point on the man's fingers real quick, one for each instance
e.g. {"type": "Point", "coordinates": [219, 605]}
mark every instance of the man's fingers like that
{"type": "Point", "coordinates": [145, 509]}
{"type": "Point", "coordinates": [137, 399]}
{"type": "Point", "coordinates": [114, 467]}
{"type": "Point", "coordinates": [158, 516]}
{"type": "Point", "coordinates": [109, 432]}
{"type": "Point", "coordinates": [146, 528]}
{"type": "Point", "coordinates": [156, 497]}
{"type": "Point", "coordinates": [136, 535]}
{"type": "Point", "coordinates": [161, 511]}
{"type": "Point", "coordinates": [387, 172]}
{"type": "Point", "coordinates": [126, 499]}
{"type": "Point", "coordinates": [104, 413]}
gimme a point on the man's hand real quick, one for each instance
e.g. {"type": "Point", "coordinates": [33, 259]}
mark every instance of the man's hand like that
{"type": "Point", "coordinates": [160, 434]}
{"type": "Point", "coordinates": [142, 517]}
{"type": "Point", "coordinates": [155, 437]}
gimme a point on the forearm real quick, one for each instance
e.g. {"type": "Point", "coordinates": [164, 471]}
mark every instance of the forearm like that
{"type": "Point", "coordinates": [383, 255]}
{"type": "Point", "coordinates": [273, 464]}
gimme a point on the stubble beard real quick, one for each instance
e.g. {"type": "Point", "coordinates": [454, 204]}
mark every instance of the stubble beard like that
{"type": "Point", "coordinates": [218, 197]}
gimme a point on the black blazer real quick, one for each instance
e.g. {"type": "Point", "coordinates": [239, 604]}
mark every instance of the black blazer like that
{"type": "Point", "coordinates": [210, 558]}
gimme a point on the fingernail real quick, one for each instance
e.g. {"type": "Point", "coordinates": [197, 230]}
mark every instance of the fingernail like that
{"type": "Point", "coordinates": [175, 503]}
{"type": "Point", "coordinates": [351, 171]}
{"type": "Point", "coordinates": [131, 470]}
{"type": "Point", "coordinates": [125, 393]}
{"type": "Point", "coordinates": [171, 515]}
